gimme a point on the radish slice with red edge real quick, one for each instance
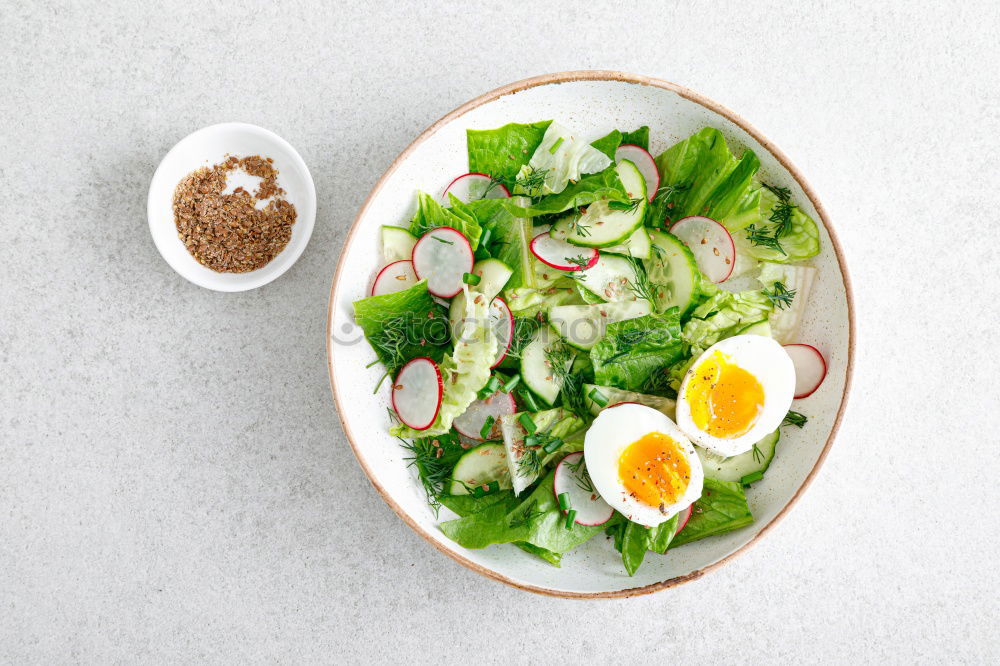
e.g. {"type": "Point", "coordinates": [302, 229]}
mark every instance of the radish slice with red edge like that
{"type": "Point", "coordinates": [502, 323]}
{"type": "Point", "coordinates": [682, 519]}
{"type": "Point", "coordinates": [442, 256]}
{"type": "Point", "coordinates": [562, 256]}
{"type": "Point", "coordinates": [644, 162]}
{"type": "Point", "coordinates": [810, 368]}
{"type": "Point", "coordinates": [711, 245]}
{"type": "Point", "coordinates": [571, 477]}
{"type": "Point", "coordinates": [417, 392]}
{"type": "Point", "coordinates": [397, 276]}
{"type": "Point", "coordinates": [473, 420]}
{"type": "Point", "coordinates": [473, 187]}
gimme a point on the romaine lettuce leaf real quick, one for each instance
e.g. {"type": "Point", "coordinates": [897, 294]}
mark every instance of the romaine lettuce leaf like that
{"type": "Point", "coordinates": [431, 215]}
{"type": "Point", "coordinates": [502, 152]}
{"type": "Point", "coordinates": [800, 241]}
{"type": "Point", "coordinates": [563, 158]}
{"type": "Point", "coordinates": [699, 176]}
{"type": "Point", "coordinates": [463, 372]}
{"type": "Point", "coordinates": [537, 521]}
{"type": "Point", "coordinates": [601, 186]}
{"type": "Point", "coordinates": [632, 351]}
{"type": "Point", "coordinates": [636, 539]}
{"type": "Point", "coordinates": [609, 143]}
{"type": "Point", "coordinates": [639, 137]}
{"type": "Point", "coordinates": [722, 508]}
{"type": "Point", "coordinates": [404, 325]}
{"type": "Point", "coordinates": [722, 316]}
{"type": "Point", "coordinates": [797, 280]}
{"type": "Point", "coordinates": [509, 236]}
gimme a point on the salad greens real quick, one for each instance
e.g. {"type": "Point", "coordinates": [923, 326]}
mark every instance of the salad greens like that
{"type": "Point", "coordinates": [509, 376]}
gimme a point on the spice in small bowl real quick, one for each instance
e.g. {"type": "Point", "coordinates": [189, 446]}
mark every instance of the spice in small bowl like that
{"type": "Point", "coordinates": [234, 231]}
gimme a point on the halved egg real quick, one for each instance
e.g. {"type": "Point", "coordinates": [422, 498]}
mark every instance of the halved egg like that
{"type": "Point", "coordinates": [737, 391]}
{"type": "Point", "coordinates": [641, 463]}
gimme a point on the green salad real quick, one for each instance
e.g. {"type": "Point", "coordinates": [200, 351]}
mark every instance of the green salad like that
{"type": "Point", "coordinates": [580, 338]}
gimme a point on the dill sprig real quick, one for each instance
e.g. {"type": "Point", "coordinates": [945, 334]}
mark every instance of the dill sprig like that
{"type": "Point", "coordinates": [795, 419]}
{"type": "Point", "coordinates": [580, 262]}
{"type": "Point", "coordinates": [758, 455]}
{"type": "Point", "coordinates": [425, 456]}
{"type": "Point", "coordinates": [530, 513]}
{"type": "Point", "coordinates": [558, 359]}
{"type": "Point", "coordinates": [581, 475]}
{"type": "Point", "coordinates": [624, 207]}
{"type": "Point", "coordinates": [780, 296]}
{"type": "Point", "coordinates": [641, 287]}
{"type": "Point", "coordinates": [530, 463]}
{"type": "Point", "coordinates": [531, 182]}
{"type": "Point", "coordinates": [764, 238]}
{"type": "Point", "coordinates": [581, 230]}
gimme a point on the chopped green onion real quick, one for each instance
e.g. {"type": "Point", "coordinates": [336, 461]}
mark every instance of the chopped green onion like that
{"type": "Point", "coordinates": [528, 399]}
{"type": "Point", "coordinates": [750, 478]}
{"type": "Point", "coordinates": [471, 278]}
{"type": "Point", "coordinates": [564, 501]}
{"type": "Point", "coordinates": [555, 146]}
{"type": "Point", "coordinates": [490, 388]}
{"type": "Point", "coordinates": [599, 398]}
{"type": "Point", "coordinates": [528, 424]}
{"type": "Point", "coordinates": [530, 441]}
{"type": "Point", "coordinates": [552, 445]}
{"type": "Point", "coordinates": [486, 237]}
{"type": "Point", "coordinates": [484, 432]}
{"type": "Point", "coordinates": [570, 518]}
{"type": "Point", "coordinates": [511, 383]}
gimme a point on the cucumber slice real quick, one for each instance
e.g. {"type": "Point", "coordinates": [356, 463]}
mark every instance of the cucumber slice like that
{"type": "Point", "coordinates": [610, 279]}
{"type": "Point", "coordinates": [601, 226]}
{"type": "Point", "coordinates": [636, 245]}
{"type": "Point", "coordinates": [493, 275]}
{"type": "Point", "coordinates": [479, 466]}
{"type": "Point", "coordinates": [610, 395]}
{"type": "Point", "coordinates": [672, 267]}
{"type": "Point", "coordinates": [583, 325]}
{"type": "Point", "coordinates": [762, 327]}
{"type": "Point", "coordinates": [536, 370]}
{"type": "Point", "coordinates": [397, 244]}
{"type": "Point", "coordinates": [757, 459]}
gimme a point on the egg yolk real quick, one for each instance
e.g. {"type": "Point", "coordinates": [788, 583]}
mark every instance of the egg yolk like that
{"type": "Point", "coordinates": [725, 399]}
{"type": "Point", "coordinates": [654, 470]}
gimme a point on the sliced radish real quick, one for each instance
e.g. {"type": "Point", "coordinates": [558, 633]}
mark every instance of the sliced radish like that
{"type": "Point", "coordinates": [561, 255]}
{"type": "Point", "coordinates": [397, 276]}
{"type": "Point", "coordinates": [571, 477]}
{"type": "Point", "coordinates": [711, 245]}
{"type": "Point", "coordinates": [442, 256]}
{"type": "Point", "coordinates": [417, 392]}
{"type": "Point", "coordinates": [644, 162]}
{"type": "Point", "coordinates": [684, 517]}
{"type": "Point", "coordinates": [473, 420]}
{"type": "Point", "coordinates": [502, 322]}
{"type": "Point", "coordinates": [810, 369]}
{"type": "Point", "coordinates": [473, 187]}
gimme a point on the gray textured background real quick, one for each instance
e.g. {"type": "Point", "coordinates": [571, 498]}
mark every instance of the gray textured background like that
{"type": "Point", "coordinates": [174, 482]}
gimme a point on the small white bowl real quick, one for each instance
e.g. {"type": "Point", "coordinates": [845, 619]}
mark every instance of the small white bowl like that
{"type": "Point", "coordinates": [205, 148]}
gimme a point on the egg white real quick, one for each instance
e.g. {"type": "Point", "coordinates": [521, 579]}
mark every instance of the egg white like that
{"type": "Point", "coordinates": [614, 429]}
{"type": "Point", "coordinates": [768, 362]}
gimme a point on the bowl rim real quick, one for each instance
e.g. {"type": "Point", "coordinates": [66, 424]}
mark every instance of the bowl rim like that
{"type": "Point", "coordinates": [253, 279]}
{"type": "Point", "coordinates": [602, 75]}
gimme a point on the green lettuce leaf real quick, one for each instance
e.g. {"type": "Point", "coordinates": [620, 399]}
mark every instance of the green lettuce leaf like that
{"type": "Point", "coordinates": [526, 462]}
{"type": "Point", "coordinates": [466, 505]}
{"type": "Point", "coordinates": [509, 236]}
{"type": "Point", "coordinates": [636, 539]}
{"type": "Point", "coordinates": [502, 152]}
{"type": "Point", "coordinates": [609, 143]}
{"type": "Point", "coordinates": [463, 372]}
{"type": "Point", "coordinates": [561, 158]}
{"type": "Point", "coordinates": [536, 521]}
{"type": "Point", "coordinates": [602, 186]}
{"type": "Point", "coordinates": [801, 241]}
{"type": "Point", "coordinates": [431, 215]}
{"type": "Point", "coordinates": [404, 325]}
{"type": "Point", "coordinates": [722, 508]}
{"type": "Point", "coordinates": [722, 316]}
{"type": "Point", "coordinates": [700, 176]}
{"type": "Point", "coordinates": [632, 351]}
{"type": "Point", "coordinates": [639, 137]}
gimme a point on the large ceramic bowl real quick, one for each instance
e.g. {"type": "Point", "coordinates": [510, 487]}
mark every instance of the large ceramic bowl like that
{"type": "Point", "coordinates": [593, 103]}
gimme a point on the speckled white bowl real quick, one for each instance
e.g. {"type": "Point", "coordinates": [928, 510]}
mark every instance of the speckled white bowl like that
{"type": "Point", "coordinates": [594, 103]}
{"type": "Point", "coordinates": [204, 148]}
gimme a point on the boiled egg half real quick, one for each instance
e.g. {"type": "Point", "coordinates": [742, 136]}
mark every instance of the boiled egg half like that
{"type": "Point", "coordinates": [737, 391]}
{"type": "Point", "coordinates": [641, 463]}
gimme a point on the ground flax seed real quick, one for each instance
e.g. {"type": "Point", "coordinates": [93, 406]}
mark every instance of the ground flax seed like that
{"type": "Point", "coordinates": [227, 232]}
